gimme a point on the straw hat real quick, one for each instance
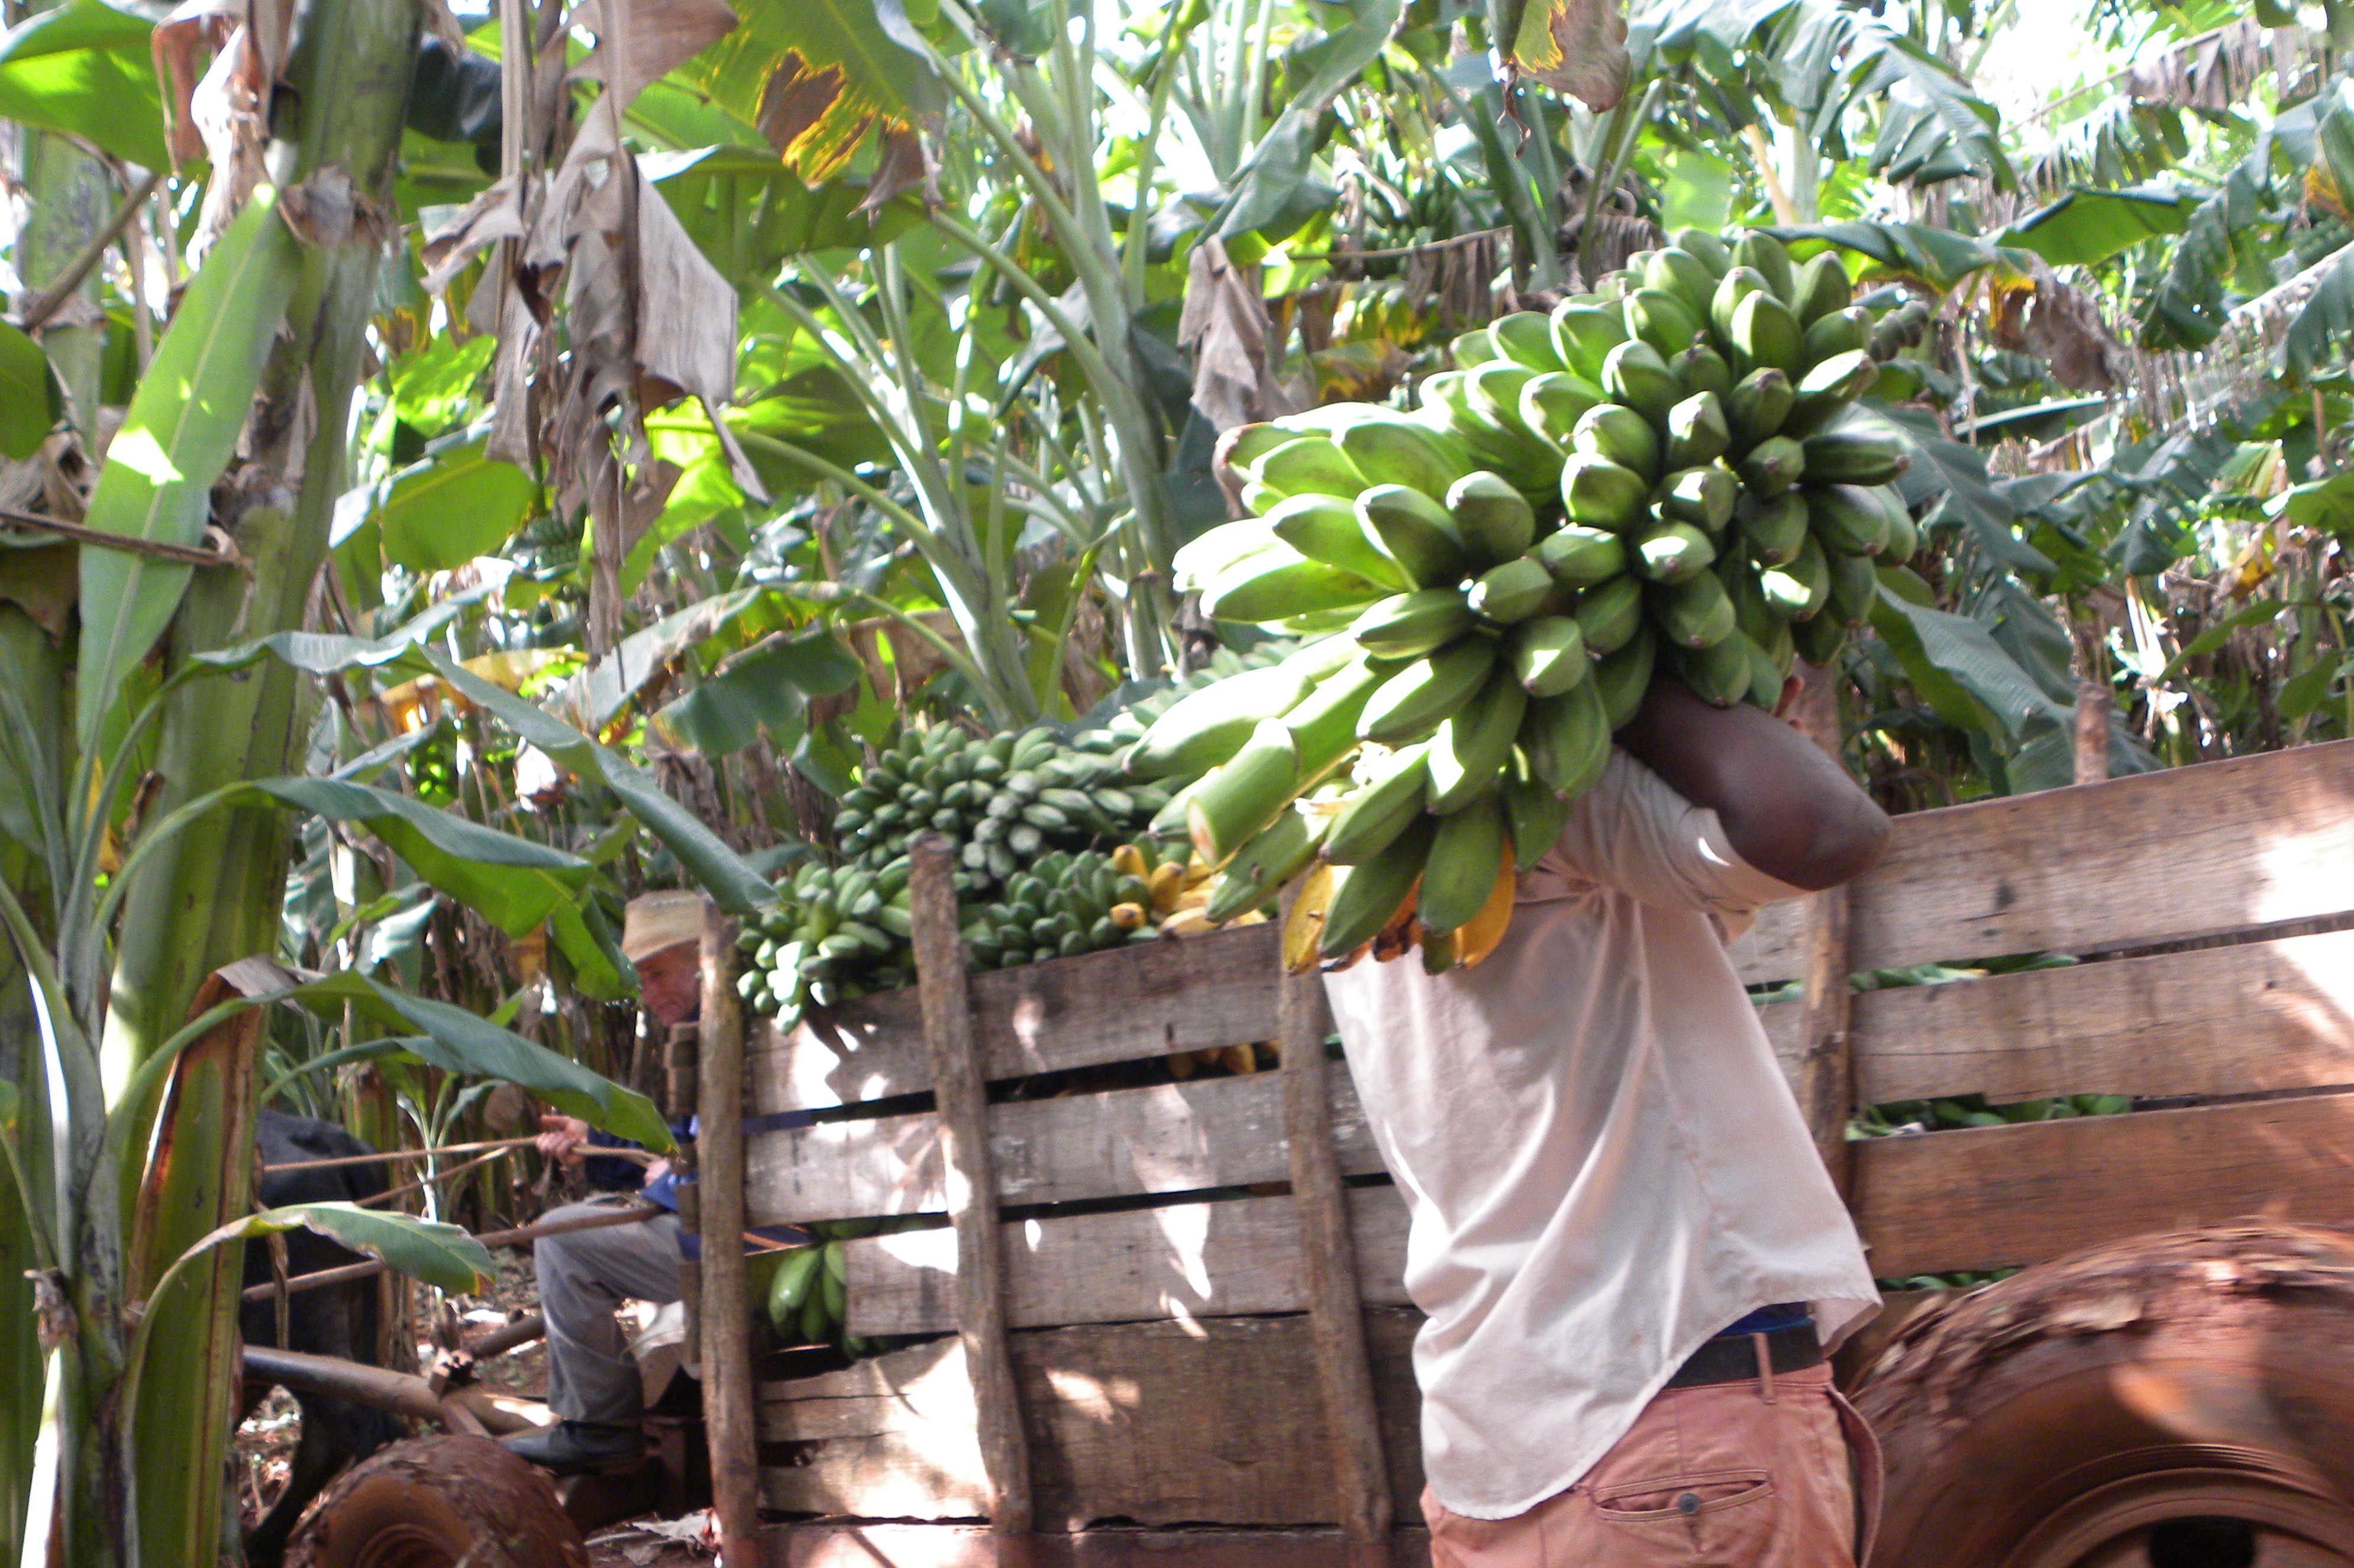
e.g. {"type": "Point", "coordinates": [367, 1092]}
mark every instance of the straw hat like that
{"type": "Point", "coordinates": [656, 921]}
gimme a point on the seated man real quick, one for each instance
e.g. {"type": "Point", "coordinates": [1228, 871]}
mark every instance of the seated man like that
{"type": "Point", "coordinates": [593, 1386]}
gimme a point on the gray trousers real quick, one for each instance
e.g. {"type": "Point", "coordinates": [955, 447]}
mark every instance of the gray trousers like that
{"type": "Point", "coordinates": [583, 1277]}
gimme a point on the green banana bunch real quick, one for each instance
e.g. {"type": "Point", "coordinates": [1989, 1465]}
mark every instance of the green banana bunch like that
{"type": "Point", "coordinates": [1662, 473]}
{"type": "Point", "coordinates": [809, 1295]}
{"type": "Point", "coordinates": [1003, 799]}
{"type": "Point", "coordinates": [1059, 907]}
{"type": "Point", "coordinates": [1034, 804]}
{"type": "Point", "coordinates": [835, 933]}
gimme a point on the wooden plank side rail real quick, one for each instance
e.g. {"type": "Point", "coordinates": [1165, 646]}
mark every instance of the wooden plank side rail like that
{"type": "Point", "coordinates": [2216, 1020]}
{"type": "Point", "coordinates": [1232, 1258]}
{"type": "Point", "coordinates": [2160, 857]}
{"type": "Point", "coordinates": [1168, 1137]}
{"type": "Point", "coordinates": [1164, 1361]}
{"type": "Point", "coordinates": [1118, 1006]}
{"type": "Point", "coordinates": [1218, 1421]}
{"type": "Point", "coordinates": [1988, 1198]}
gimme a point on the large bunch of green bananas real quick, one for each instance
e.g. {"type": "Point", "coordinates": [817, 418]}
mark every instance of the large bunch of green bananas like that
{"type": "Point", "coordinates": [1003, 799]}
{"type": "Point", "coordinates": [1061, 905]}
{"type": "Point", "coordinates": [837, 932]}
{"type": "Point", "coordinates": [1031, 809]}
{"type": "Point", "coordinates": [1653, 475]}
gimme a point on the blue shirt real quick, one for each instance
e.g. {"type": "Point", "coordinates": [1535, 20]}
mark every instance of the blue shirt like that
{"type": "Point", "coordinates": [609, 1175]}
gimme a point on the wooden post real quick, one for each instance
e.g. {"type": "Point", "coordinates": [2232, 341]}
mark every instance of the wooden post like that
{"type": "Point", "coordinates": [1827, 1071]}
{"type": "Point", "coordinates": [1328, 1253]}
{"type": "Point", "coordinates": [971, 1187]}
{"type": "Point", "coordinates": [681, 1054]}
{"type": "Point", "coordinates": [727, 1346]}
{"type": "Point", "coordinates": [2095, 702]}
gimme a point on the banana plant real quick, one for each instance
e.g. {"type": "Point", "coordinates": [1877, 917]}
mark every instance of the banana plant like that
{"type": "Point", "coordinates": [981, 455]}
{"type": "Point", "coordinates": [128, 1121]}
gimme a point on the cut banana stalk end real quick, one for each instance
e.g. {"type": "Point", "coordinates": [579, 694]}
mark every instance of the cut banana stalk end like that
{"type": "Point", "coordinates": [1304, 924]}
{"type": "Point", "coordinates": [1396, 939]}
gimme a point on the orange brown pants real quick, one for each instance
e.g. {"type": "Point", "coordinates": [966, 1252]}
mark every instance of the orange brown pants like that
{"type": "Point", "coordinates": [1777, 1473]}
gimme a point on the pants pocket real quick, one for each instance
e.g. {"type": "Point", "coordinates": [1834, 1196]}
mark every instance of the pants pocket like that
{"type": "Point", "coordinates": [1666, 1498]}
{"type": "Point", "coordinates": [1700, 1516]}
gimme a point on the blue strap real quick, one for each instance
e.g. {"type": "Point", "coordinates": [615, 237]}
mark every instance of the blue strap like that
{"type": "Point", "coordinates": [1770, 1320]}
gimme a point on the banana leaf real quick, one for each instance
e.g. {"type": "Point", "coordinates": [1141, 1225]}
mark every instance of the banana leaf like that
{"type": "Point", "coordinates": [176, 440]}
{"type": "Point", "coordinates": [815, 77]}
{"type": "Point", "coordinates": [28, 395]}
{"type": "Point", "coordinates": [439, 1254]}
{"type": "Point", "coordinates": [85, 69]}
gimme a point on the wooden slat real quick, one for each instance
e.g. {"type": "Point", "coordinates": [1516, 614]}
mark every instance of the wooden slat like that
{"type": "Point", "coordinates": [2215, 1021]}
{"type": "Point", "coordinates": [880, 1545]}
{"type": "Point", "coordinates": [2160, 857]}
{"type": "Point", "coordinates": [1774, 948]}
{"type": "Point", "coordinates": [1170, 1138]}
{"type": "Point", "coordinates": [1117, 1006]}
{"type": "Point", "coordinates": [1225, 1259]}
{"type": "Point", "coordinates": [1214, 1422]}
{"type": "Point", "coordinates": [1785, 1025]}
{"type": "Point", "coordinates": [1988, 1198]}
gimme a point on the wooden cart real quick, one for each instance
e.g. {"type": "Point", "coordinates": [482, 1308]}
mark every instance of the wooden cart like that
{"type": "Point", "coordinates": [1172, 1359]}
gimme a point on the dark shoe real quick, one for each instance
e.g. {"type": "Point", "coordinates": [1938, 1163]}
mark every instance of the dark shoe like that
{"type": "Point", "coordinates": [571, 1447]}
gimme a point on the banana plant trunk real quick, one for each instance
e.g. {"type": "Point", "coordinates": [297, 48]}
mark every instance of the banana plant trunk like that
{"type": "Point", "coordinates": [214, 898]}
{"type": "Point", "coordinates": [69, 200]}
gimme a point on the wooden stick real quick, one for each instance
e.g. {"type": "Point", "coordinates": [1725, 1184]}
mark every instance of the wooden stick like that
{"type": "Point", "coordinates": [1328, 1253]}
{"type": "Point", "coordinates": [632, 1214]}
{"type": "Point", "coordinates": [972, 1185]}
{"type": "Point", "coordinates": [633, 1156]}
{"type": "Point", "coordinates": [508, 1336]}
{"type": "Point", "coordinates": [1826, 1070]}
{"type": "Point", "coordinates": [727, 1333]}
{"type": "Point", "coordinates": [389, 1194]}
{"type": "Point", "coordinates": [403, 1154]}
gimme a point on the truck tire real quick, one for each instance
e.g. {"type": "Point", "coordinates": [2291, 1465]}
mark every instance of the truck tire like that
{"type": "Point", "coordinates": [2174, 1401]}
{"type": "Point", "coordinates": [437, 1502]}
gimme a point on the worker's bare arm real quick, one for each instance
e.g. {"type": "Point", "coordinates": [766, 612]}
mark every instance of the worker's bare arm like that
{"type": "Point", "coordinates": [1788, 810]}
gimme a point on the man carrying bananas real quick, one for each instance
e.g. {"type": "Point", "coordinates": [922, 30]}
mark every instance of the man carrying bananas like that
{"type": "Point", "coordinates": [593, 1384]}
{"type": "Point", "coordinates": [1631, 1259]}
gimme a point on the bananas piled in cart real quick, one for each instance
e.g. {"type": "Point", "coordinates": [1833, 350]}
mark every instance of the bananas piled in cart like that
{"type": "Point", "coordinates": [1059, 851]}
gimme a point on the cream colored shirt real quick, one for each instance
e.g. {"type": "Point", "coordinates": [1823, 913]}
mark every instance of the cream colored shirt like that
{"type": "Point", "coordinates": [1603, 1164]}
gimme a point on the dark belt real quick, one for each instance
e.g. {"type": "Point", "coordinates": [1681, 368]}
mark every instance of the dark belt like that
{"type": "Point", "coordinates": [1732, 1357]}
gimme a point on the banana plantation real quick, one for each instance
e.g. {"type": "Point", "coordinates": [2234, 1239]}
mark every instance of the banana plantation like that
{"type": "Point", "coordinates": [995, 536]}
